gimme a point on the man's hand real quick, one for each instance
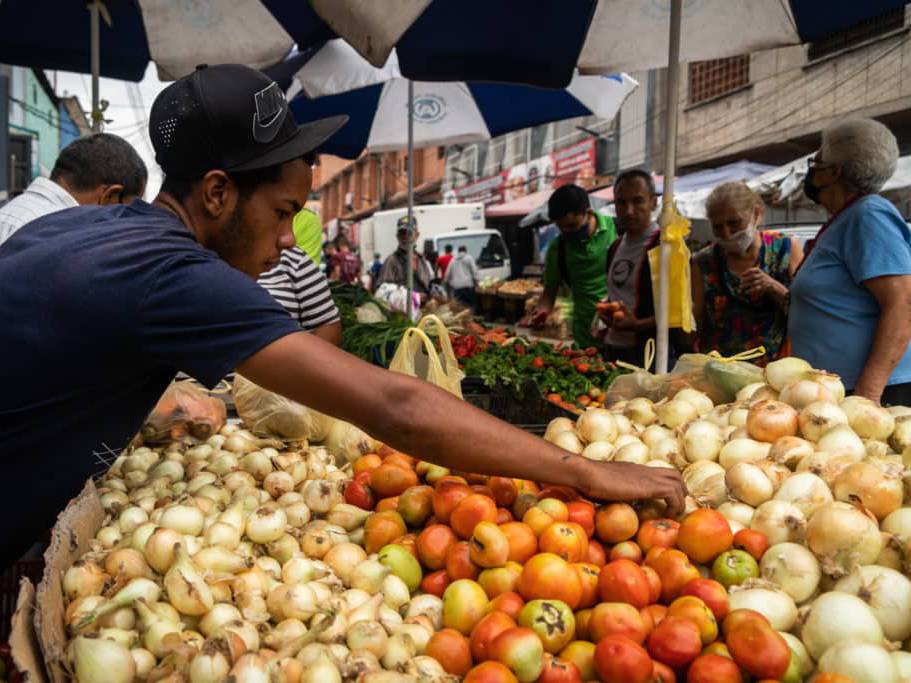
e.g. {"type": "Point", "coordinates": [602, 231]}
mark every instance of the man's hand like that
{"type": "Point", "coordinates": [757, 283]}
{"type": "Point", "coordinates": [622, 481]}
{"type": "Point", "coordinates": [538, 317]}
{"type": "Point", "coordinates": [624, 318]}
{"type": "Point", "coordinates": [869, 390]}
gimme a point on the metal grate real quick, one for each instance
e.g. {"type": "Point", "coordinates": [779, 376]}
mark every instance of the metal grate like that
{"type": "Point", "coordinates": [858, 33]}
{"type": "Point", "coordinates": [716, 77]}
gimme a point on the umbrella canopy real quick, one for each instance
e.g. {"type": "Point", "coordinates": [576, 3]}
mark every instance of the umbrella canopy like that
{"type": "Point", "coordinates": [444, 113]}
{"type": "Point", "coordinates": [55, 34]}
{"type": "Point", "coordinates": [473, 39]}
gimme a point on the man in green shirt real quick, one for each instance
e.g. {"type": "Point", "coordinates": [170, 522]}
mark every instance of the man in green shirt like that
{"type": "Point", "coordinates": [578, 257]}
{"type": "Point", "coordinates": [308, 234]}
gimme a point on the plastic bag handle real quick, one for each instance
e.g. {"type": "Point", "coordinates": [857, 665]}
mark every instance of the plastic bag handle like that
{"type": "Point", "coordinates": [648, 359]}
{"type": "Point", "coordinates": [750, 354]}
{"type": "Point", "coordinates": [449, 357]}
{"type": "Point", "coordinates": [406, 345]}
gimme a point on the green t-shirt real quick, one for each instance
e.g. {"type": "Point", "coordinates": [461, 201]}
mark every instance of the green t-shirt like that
{"type": "Point", "coordinates": [586, 264]}
{"type": "Point", "coordinates": [308, 234]}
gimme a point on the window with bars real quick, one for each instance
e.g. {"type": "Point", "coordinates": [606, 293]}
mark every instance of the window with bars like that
{"type": "Point", "coordinates": [858, 33]}
{"type": "Point", "coordinates": [716, 77]}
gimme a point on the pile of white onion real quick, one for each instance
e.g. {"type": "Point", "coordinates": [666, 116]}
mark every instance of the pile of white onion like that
{"type": "Point", "coordinates": [237, 557]}
{"type": "Point", "coordinates": [821, 475]}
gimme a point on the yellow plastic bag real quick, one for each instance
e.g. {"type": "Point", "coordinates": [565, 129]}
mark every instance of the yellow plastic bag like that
{"type": "Point", "coordinates": [417, 356]}
{"type": "Point", "coordinates": [680, 308]}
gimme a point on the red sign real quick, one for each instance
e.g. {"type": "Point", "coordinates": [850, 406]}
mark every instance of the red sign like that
{"type": "Point", "coordinates": [573, 164]}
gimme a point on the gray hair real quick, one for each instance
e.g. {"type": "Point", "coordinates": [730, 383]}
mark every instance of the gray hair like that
{"type": "Point", "coordinates": [865, 151]}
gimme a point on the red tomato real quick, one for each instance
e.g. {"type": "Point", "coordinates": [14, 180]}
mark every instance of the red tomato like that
{"type": "Point", "coordinates": [713, 669]}
{"type": "Point", "coordinates": [490, 672]}
{"type": "Point", "coordinates": [711, 593]}
{"type": "Point", "coordinates": [557, 670]}
{"type": "Point", "coordinates": [596, 554]}
{"type": "Point", "coordinates": [657, 532]}
{"type": "Point", "coordinates": [654, 584]}
{"type": "Point", "coordinates": [627, 550]}
{"type": "Point", "coordinates": [485, 631]}
{"type": "Point", "coordinates": [582, 513]}
{"type": "Point", "coordinates": [470, 511]}
{"type": "Point", "coordinates": [704, 534]}
{"type": "Point", "coordinates": [739, 616]}
{"type": "Point", "coordinates": [624, 581]}
{"type": "Point", "coordinates": [358, 493]}
{"type": "Point", "coordinates": [433, 544]}
{"type": "Point", "coordinates": [435, 583]}
{"type": "Point", "coordinates": [752, 541]}
{"type": "Point", "coordinates": [620, 660]}
{"type": "Point", "coordinates": [588, 575]}
{"type": "Point", "coordinates": [450, 649]}
{"type": "Point", "coordinates": [675, 642]}
{"type": "Point", "coordinates": [759, 649]}
{"type": "Point", "coordinates": [664, 673]}
{"type": "Point", "coordinates": [566, 539]}
{"type": "Point", "coordinates": [675, 571]}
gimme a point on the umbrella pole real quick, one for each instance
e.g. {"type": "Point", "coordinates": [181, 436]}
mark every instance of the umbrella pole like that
{"type": "Point", "coordinates": [409, 267]}
{"type": "Point", "coordinates": [667, 201]}
{"type": "Point", "coordinates": [95, 28]}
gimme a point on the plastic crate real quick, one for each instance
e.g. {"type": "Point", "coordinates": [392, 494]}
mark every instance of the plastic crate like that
{"type": "Point", "coordinates": [532, 412]}
{"type": "Point", "coordinates": [33, 569]}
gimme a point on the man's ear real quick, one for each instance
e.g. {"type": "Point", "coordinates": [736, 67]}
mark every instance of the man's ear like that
{"type": "Point", "coordinates": [110, 194]}
{"type": "Point", "coordinates": [218, 193]}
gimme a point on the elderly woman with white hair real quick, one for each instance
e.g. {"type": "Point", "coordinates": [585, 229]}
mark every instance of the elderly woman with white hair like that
{"type": "Point", "coordinates": [850, 309]}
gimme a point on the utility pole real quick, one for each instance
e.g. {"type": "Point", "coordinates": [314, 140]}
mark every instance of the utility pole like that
{"type": "Point", "coordinates": [4, 138]}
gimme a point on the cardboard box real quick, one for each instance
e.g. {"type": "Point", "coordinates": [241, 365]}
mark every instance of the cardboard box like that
{"type": "Point", "coordinates": [38, 638]}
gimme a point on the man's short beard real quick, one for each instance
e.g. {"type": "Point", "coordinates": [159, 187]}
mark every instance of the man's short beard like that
{"type": "Point", "coordinates": [233, 242]}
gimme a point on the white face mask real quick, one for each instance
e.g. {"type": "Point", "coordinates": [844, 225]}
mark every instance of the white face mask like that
{"type": "Point", "coordinates": [739, 243]}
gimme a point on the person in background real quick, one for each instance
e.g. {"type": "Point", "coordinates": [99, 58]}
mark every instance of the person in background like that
{"type": "Point", "coordinates": [302, 290]}
{"type": "Point", "coordinates": [329, 250]}
{"type": "Point", "coordinates": [851, 298]}
{"type": "Point", "coordinates": [345, 265]}
{"type": "Point", "coordinates": [444, 261]}
{"type": "Point", "coordinates": [631, 321]}
{"type": "Point", "coordinates": [740, 282]}
{"type": "Point", "coordinates": [97, 169]}
{"type": "Point", "coordinates": [375, 269]}
{"type": "Point", "coordinates": [393, 270]}
{"type": "Point", "coordinates": [462, 277]}
{"type": "Point", "coordinates": [308, 234]}
{"type": "Point", "coordinates": [578, 257]}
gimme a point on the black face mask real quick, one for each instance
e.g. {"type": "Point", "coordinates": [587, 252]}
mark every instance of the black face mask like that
{"type": "Point", "coordinates": [811, 189]}
{"type": "Point", "coordinates": [577, 236]}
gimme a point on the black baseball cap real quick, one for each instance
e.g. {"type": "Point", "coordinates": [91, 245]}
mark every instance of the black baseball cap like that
{"type": "Point", "coordinates": [229, 117]}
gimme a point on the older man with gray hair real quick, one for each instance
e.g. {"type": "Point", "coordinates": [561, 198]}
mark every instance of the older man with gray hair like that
{"type": "Point", "coordinates": [850, 309]}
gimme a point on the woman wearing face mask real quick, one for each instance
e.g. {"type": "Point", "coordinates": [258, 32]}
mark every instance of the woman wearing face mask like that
{"type": "Point", "coordinates": [851, 300]}
{"type": "Point", "coordinates": [740, 282]}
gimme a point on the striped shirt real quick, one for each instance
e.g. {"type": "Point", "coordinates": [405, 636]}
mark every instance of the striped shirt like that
{"type": "Point", "coordinates": [41, 197]}
{"type": "Point", "coordinates": [298, 285]}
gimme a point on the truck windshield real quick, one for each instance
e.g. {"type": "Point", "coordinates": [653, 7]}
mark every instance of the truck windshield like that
{"type": "Point", "coordinates": [487, 249]}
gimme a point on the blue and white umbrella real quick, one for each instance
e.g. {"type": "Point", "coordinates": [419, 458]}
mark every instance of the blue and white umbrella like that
{"type": "Point", "coordinates": [376, 100]}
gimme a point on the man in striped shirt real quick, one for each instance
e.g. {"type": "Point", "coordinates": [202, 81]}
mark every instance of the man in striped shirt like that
{"type": "Point", "coordinates": [299, 286]}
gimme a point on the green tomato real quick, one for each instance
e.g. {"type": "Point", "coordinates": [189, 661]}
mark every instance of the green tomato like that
{"type": "Point", "coordinates": [403, 564]}
{"type": "Point", "coordinates": [734, 567]}
{"type": "Point", "coordinates": [552, 620]}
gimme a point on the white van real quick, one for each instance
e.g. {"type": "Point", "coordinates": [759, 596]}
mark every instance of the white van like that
{"type": "Point", "coordinates": [439, 225]}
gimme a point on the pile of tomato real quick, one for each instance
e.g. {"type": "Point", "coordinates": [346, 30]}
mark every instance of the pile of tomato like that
{"type": "Point", "coordinates": [542, 585]}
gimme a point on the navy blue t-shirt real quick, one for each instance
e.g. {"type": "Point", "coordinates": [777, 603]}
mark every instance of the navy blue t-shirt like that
{"type": "Point", "coordinates": [100, 307]}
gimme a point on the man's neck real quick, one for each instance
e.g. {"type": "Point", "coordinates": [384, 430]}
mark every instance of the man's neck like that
{"type": "Point", "coordinates": [168, 202]}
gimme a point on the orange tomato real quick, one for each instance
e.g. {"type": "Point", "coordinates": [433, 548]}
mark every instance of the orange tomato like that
{"type": "Point", "coordinates": [588, 575]}
{"type": "Point", "coordinates": [522, 541]}
{"type": "Point", "coordinates": [470, 511]}
{"type": "Point", "coordinates": [503, 516]}
{"type": "Point", "coordinates": [504, 491]}
{"type": "Point", "coordinates": [409, 543]}
{"type": "Point", "coordinates": [381, 528]}
{"type": "Point", "coordinates": [399, 460]}
{"type": "Point", "coordinates": [365, 463]}
{"type": "Point", "coordinates": [549, 576]}
{"type": "Point", "coordinates": [596, 554]}
{"type": "Point", "coordinates": [537, 520]}
{"type": "Point", "coordinates": [621, 660]}
{"type": "Point", "coordinates": [500, 579]}
{"type": "Point", "coordinates": [711, 668]}
{"type": "Point", "coordinates": [741, 616]}
{"type": "Point", "coordinates": [486, 631]}
{"type": "Point", "coordinates": [654, 584]}
{"type": "Point", "coordinates": [388, 504]}
{"type": "Point", "coordinates": [416, 505]}
{"type": "Point", "coordinates": [759, 649]}
{"type": "Point", "coordinates": [450, 648]}
{"type": "Point", "coordinates": [627, 550]}
{"type": "Point", "coordinates": [446, 495]}
{"type": "Point", "coordinates": [704, 534]}
{"type": "Point", "coordinates": [555, 507]}
{"type": "Point", "coordinates": [390, 480]}
{"type": "Point", "coordinates": [617, 619]}
{"type": "Point", "coordinates": [657, 532]}
{"type": "Point", "coordinates": [675, 571]}
{"type": "Point", "coordinates": [654, 613]}
{"type": "Point", "coordinates": [711, 593]}
{"type": "Point", "coordinates": [490, 672]}
{"type": "Point", "coordinates": [566, 539]}
{"type": "Point", "coordinates": [433, 543]}
{"type": "Point", "coordinates": [488, 546]}
{"type": "Point", "coordinates": [581, 654]}
{"type": "Point", "coordinates": [692, 608]}
{"type": "Point", "coordinates": [616, 522]}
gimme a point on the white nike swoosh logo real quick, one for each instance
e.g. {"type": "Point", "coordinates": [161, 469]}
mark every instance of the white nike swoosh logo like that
{"type": "Point", "coordinates": [266, 132]}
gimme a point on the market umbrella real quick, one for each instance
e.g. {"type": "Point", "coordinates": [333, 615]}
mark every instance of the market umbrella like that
{"type": "Point", "coordinates": [388, 112]}
{"type": "Point", "coordinates": [118, 38]}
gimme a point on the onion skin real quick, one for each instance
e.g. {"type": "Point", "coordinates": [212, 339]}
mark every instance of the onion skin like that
{"type": "Point", "coordinates": [781, 373]}
{"type": "Point", "coordinates": [770, 420]}
{"type": "Point", "coordinates": [879, 492]}
{"type": "Point", "coordinates": [860, 662]}
{"type": "Point", "coordinates": [842, 537]}
{"type": "Point", "coordinates": [887, 593]}
{"type": "Point", "coordinates": [780, 521]}
{"type": "Point", "coordinates": [835, 617]}
{"type": "Point", "coordinates": [792, 568]}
